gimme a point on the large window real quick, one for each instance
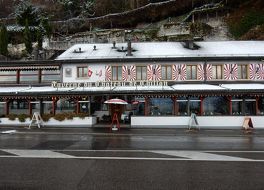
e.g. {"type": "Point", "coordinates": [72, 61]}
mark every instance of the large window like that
{"type": "Point", "coordinates": [237, 106]}
{"type": "Point", "coordinates": [116, 73]}
{"type": "Point", "coordinates": [194, 105]}
{"type": "Point", "coordinates": [65, 105]}
{"type": "Point", "coordinates": [166, 72]}
{"type": "Point", "coordinates": [29, 76]}
{"type": "Point", "coordinates": [182, 106]}
{"type": "Point", "coordinates": [82, 72]}
{"type": "Point", "coordinates": [261, 106]}
{"type": "Point", "coordinates": [191, 72]}
{"type": "Point", "coordinates": [141, 73]}
{"type": "Point", "coordinates": [242, 71]}
{"type": "Point", "coordinates": [215, 106]}
{"type": "Point", "coordinates": [217, 71]}
{"type": "Point", "coordinates": [161, 106]}
{"type": "Point", "coordinates": [250, 106]}
{"type": "Point", "coordinates": [48, 76]}
{"type": "Point", "coordinates": [8, 76]}
{"type": "Point", "coordinates": [19, 107]}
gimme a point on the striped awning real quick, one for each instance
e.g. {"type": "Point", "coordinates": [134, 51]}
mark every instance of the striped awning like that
{"type": "Point", "coordinates": [43, 67]}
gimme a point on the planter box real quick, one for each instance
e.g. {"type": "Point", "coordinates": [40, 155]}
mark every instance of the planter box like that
{"type": "Point", "coordinates": [75, 122]}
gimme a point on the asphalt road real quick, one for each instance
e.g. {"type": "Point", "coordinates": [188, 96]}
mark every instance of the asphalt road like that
{"type": "Point", "coordinates": [144, 160]}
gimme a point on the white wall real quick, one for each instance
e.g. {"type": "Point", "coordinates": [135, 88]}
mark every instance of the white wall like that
{"type": "Point", "coordinates": [210, 122]}
{"type": "Point", "coordinates": [75, 122]}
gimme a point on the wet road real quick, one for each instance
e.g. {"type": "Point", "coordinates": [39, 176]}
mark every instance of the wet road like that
{"type": "Point", "coordinates": [131, 160]}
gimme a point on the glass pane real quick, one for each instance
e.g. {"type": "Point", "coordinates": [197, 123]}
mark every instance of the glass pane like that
{"type": "Point", "coordinates": [214, 67]}
{"type": "Point", "coordinates": [215, 106]}
{"type": "Point", "coordinates": [65, 105]}
{"type": "Point", "coordinates": [144, 73]}
{"type": "Point", "coordinates": [2, 109]}
{"type": "Point", "coordinates": [194, 72]}
{"type": "Point", "coordinates": [49, 78]}
{"type": "Point", "coordinates": [18, 107]}
{"type": "Point", "coordinates": [189, 73]}
{"type": "Point", "coordinates": [237, 107]}
{"type": "Point", "coordinates": [163, 73]}
{"type": "Point", "coordinates": [244, 71]}
{"type": "Point", "coordinates": [169, 73]}
{"type": "Point", "coordinates": [114, 73]}
{"type": "Point", "coordinates": [138, 73]}
{"type": "Point", "coordinates": [119, 73]}
{"type": "Point", "coordinates": [250, 107]}
{"type": "Point", "coordinates": [239, 72]}
{"type": "Point", "coordinates": [28, 78]}
{"type": "Point", "coordinates": [161, 106]}
{"type": "Point", "coordinates": [261, 106]}
{"type": "Point", "coordinates": [219, 72]}
{"type": "Point", "coordinates": [182, 106]}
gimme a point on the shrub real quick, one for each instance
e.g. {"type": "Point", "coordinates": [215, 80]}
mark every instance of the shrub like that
{"type": "Point", "coordinates": [46, 117]}
{"type": "Point", "coordinates": [60, 117]}
{"type": "Point", "coordinates": [12, 117]}
{"type": "Point", "coordinates": [22, 117]}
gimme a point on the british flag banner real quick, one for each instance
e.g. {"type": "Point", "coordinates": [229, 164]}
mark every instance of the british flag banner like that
{"type": "Point", "coordinates": [108, 73]}
{"type": "Point", "coordinates": [179, 72]}
{"type": "Point", "coordinates": [154, 72]}
{"type": "Point", "coordinates": [260, 71]}
{"type": "Point", "coordinates": [253, 71]}
{"type": "Point", "coordinates": [230, 72]}
{"type": "Point", "coordinates": [129, 72]}
{"type": "Point", "coordinates": [201, 72]}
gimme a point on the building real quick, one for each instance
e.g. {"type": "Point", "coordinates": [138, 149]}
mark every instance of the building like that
{"type": "Point", "coordinates": [163, 82]}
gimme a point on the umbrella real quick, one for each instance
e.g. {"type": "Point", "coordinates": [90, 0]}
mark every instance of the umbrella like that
{"type": "Point", "coordinates": [116, 101]}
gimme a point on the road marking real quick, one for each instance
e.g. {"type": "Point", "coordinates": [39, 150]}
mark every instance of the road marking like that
{"type": "Point", "coordinates": [9, 132]}
{"type": "Point", "coordinates": [185, 155]}
{"type": "Point", "coordinates": [195, 155]}
{"type": "Point", "coordinates": [37, 153]}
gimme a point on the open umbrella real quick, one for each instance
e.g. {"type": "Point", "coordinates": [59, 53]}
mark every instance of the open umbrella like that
{"type": "Point", "coordinates": [116, 101]}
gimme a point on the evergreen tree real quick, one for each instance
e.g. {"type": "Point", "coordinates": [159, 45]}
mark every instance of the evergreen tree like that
{"type": "Point", "coordinates": [27, 39]}
{"type": "Point", "coordinates": [3, 40]}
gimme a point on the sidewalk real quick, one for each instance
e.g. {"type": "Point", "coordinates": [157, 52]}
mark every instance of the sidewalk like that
{"type": "Point", "coordinates": [132, 131]}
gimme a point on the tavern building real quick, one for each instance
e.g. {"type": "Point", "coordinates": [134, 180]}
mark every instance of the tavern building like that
{"type": "Point", "coordinates": [163, 83]}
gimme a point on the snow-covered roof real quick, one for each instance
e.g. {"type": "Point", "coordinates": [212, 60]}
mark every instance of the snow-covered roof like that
{"type": "Point", "coordinates": [134, 89]}
{"type": "Point", "coordinates": [165, 50]}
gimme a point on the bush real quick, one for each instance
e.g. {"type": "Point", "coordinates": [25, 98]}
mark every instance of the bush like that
{"type": "Point", "coordinates": [22, 117]}
{"type": "Point", "coordinates": [46, 117]}
{"type": "Point", "coordinates": [60, 117]}
{"type": "Point", "coordinates": [12, 117]}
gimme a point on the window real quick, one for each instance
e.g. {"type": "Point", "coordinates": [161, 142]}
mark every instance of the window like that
{"type": "Point", "coordinates": [161, 106]}
{"type": "Point", "coordinates": [29, 76]}
{"type": "Point", "coordinates": [166, 72]}
{"type": "Point", "coordinates": [237, 104]}
{"type": "Point", "coordinates": [261, 106]}
{"type": "Point", "coordinates": [182, 105]}
{"type": "Point", "coordinates": [18, 107]}
{"type": "Point", "coordinates": [217, 71]}
{"type": "Point", "coordinates": [48, 76]}
{"type": "Point", "coordinates": [215, 106]}
{"type": "Point", "coordinates": [8, 76]}
{"type": "Point", "coordinates": [250, 106]}
{"type": "Point", "coordinates": [82, 72]}
{"type": "Point", "coordinates": [195, 105]}
{"type": "Point", "coordinates": [242, 71]}
{"type": "Point", "coordinates": [116, 73]}
{"type": "Point", "coordinates": [191, 72]}
{"type": "Point", "coordinates": [141, 73]}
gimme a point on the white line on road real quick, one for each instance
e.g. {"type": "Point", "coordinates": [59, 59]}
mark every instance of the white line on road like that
{"type": "Point", "coordinates": [9, 132]}
{"type": "Point", "coordinates": [184, 155]}
{"type": "Point", "coordinates": [195, 155]}
{"type": "Point", "coordinates": [37, 153]}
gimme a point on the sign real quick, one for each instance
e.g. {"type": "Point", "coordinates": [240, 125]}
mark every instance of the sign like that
{"type": "Point", "coordinates": [107, 84]}
{"type": "Point", "coordinates": [36, 119]}
{"type": "Point", "coordinates": [247, 124]}
{"type": "Point", "coordinates": [193, 123]}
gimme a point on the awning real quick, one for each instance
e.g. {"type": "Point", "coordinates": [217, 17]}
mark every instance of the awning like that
{"type": "Point", "coordinates": [44, 67]}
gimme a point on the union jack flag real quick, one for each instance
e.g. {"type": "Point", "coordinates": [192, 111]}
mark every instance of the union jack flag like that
{"type": "Point", "coordinates": [260, 71]}
{"type": "Point", "coordinates": [154, 72]}
{"type": "Point", "coordinates": [129, 73]}
{"type": "Point", "coordinates": [230, 72]}
{"type": "Point", "coordinates": [208, 71]}
{"type": "Point", "coordinates": [108, 73]}
{"type": "Point", "coordinates": [179, 72]}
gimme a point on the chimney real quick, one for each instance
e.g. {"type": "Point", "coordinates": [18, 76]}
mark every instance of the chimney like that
{"type": "Point", "coordinates": [129, 48]}
{"type": "Point", "coordinates": [94, 48]}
